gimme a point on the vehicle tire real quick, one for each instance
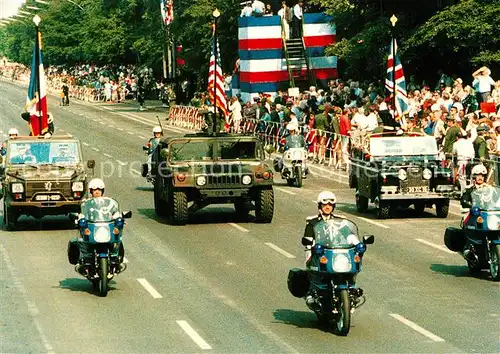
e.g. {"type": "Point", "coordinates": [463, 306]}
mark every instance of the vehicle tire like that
{"type": "Point", "coordinates": [361, 202]}
{"type": "Point", "coordinates": [473, 268]}
{"type": "Point", "coordinates": [298, 176]}
{"type": "Point", "coordinates": [495, 262]}
{"type": "Point", "coordinates": [161, 207]}
{"type": "Point", "coordinates": [103, 277]}
{"type": "Point", "coordinates": [419, 207]}
{"type": "Point", "coordinates": [9, 218]}
{"type": "Point", "coordinates": [179, 207]}
{"type": "Point", "coordinates": [343, 323]}
{"type": "Point", "coordinates": [352, 181]}
{"type": "Point", "coordinates": [384, 210]}
{"type": "Point", "coordinates": [144, 170]}
{"type": "Point", "coordinates": [241, 208]}
{"type": "Point", "coordinates": [290, 182]}
{"type": "Point", "coordinates": [264, 205]}
{"type": "Point", "coordinates": [442, 208]}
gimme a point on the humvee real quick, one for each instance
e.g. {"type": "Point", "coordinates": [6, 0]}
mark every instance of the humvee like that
{"type": "Point", "coordinates": [196, 170]}
{"type": "Point", "coordinates": [42, 177]}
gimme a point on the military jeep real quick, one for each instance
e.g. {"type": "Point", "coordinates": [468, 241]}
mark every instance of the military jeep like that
{"type": "Point", "coordinates": [196, 170]}
{"type": "Point", "coordinates": [399, 171]}
{"type": "Point", "coordinates": [42, 177]}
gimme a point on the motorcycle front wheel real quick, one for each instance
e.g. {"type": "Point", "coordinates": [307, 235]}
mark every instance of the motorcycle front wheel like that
{"type": "Point", "coordinates": [103, 277]}
{"type": "Point", "coordinates": [298, 176]}
{"type": "Point", "coordinates": [495, 262]}
{"type": "Point", "coordinates": [344, 320]}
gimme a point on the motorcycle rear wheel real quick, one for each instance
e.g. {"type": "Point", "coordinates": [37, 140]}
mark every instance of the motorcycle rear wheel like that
{"type": "Point", "coordinates": [343, 323]}
{"type": "Point", "coordinates": [103, 277]}
{"type": "Point", "coordinates": [495, 262]}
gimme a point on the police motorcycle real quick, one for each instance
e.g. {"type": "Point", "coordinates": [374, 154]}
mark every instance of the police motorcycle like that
{"type": "Point", "coordinates": [330, 278]}
{"type": "Point", "coordinates": [149, 148]}
{"type": "Point", "coordinates": [478, 238]}
{"type": "Point", "coordinates": [100, 226]}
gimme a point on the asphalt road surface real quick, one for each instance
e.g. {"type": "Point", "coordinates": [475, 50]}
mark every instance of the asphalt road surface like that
{"type": "Point", "coordinates": [219, 283]}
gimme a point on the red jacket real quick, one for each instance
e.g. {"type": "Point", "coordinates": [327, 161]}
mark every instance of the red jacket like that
{"type": "Point", "coordinates": [345, 125]}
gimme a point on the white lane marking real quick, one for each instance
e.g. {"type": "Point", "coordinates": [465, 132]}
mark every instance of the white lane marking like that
{"type": "Point", "coordinates": [133, 170]}
{"type": "Point", "coordinates": [125, 260]}
{"type": "Point", "coordinates": [95, 149]}
{"type": "Point", "coordinates": [417, 328]}
{"type": "Point", "coordinates": [32, 309]}
{"type": "Point", "coordinates": [142, 137]}
{"type": "Point", "coordinates": [457, 214]}
{"type": "Point", "coordinates": [85, 144]}
{"type": "Point", "coordinates": [101, 123]}
{"type": "Point", "coordinates": [439, 247]}
{"type": "Point", "coordinates": [194, 335]}
{"type": "Point", "coordinates": [120, 129]}
{"type": "Point", "coordinates": [236, 226]}
{"type": "Point", "coordinates": [279, 250]}
{"type": "Point", "coordinates": [107, 155]}
{"type": "Point", "coordinates": [285, 191]}
{"type": "Point", "coordinates": [155, 294]}
{"type": "Point", "coordinates": [130, 133]}
{"type": "Point", "coordinates": [121, 162]}
{"type": "Point", "coordinates": [373, 222]}
{"type": "Point", "coordinates": [61, 130]}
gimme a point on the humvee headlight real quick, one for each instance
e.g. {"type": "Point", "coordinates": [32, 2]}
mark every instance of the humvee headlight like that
{"type": "Point", "coordinates": [201, 180]}
{"type": "Point", "coordinates": [246, 180]}
{"type": "Point", "coordinates": [17, 188]}
{"type": "Point", "coordinates": [77, 187]}
{"type": "Point", "coordinates": [427, 174]}
{"type": "Point", "coordinates": [402, 174]}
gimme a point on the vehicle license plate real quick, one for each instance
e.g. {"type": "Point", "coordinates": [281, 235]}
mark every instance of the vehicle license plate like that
{"type": "Point", "coordinates": [422, 189]}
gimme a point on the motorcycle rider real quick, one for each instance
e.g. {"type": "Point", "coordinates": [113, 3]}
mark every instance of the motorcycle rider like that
{"type": "Point", "coordinates": [151, 146]}
{"type": "Point", "coordinates": [96, 188]}
{"type": "Point", "coordinates": [13, 132]}
{"type": "Point", "coordinates": [292, 140]}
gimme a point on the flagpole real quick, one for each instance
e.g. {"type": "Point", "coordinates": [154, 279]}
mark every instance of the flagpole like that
{"type": "Point", "coordinates": [216, 15]}
{"type": "Point", "coordinates": [393, 20]}
{"type": "Point", "coordinates": [37, 20]}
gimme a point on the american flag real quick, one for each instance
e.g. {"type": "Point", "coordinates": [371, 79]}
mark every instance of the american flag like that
{"type": "Point", "coordinates": [401, 96]}
{"type": "Point", "coordinates": [167, 11]}
{"type": "Point", "coordinates": [219, 84]}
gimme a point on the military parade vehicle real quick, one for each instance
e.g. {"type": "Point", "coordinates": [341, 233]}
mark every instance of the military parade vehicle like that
{"type": "Point", "coordinates": [42, 177]}
{"type": "Point", "coordinates": [392, 171]}
{"type": "Point", "coordinates": [199, 169]}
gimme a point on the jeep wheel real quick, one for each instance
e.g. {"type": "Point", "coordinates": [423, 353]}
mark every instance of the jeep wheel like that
{"type": "Point", "coordinates": [264, 205]}
{"type": "Point", "coordinates": [442, 208]}
{"type": "Point", "coordinates": [419, 207]}
{"type": "Point", "coordinates": [384, 210]}
{"type": "Point", "coordinates": [9, 218]}
{"type": "Point", "coordinates": [179, 211]}
{"type": "Point", "coordinates": [361, 202]}
{"type": "Point", "coordinates": [241, 208]}
{"type": "Point", "coordinates": [161, 207]}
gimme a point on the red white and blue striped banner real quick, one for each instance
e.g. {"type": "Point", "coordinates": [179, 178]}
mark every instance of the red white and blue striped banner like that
{"type": "Point", "coordinates": [215, 78]}
{"type": "Point", "coordinates": [401, 96]}
{"type": "Point", "coordinates": [167, 11]}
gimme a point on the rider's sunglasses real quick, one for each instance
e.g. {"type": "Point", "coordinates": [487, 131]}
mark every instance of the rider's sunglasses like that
{"type": "Point", "coordinates": [328, 201]}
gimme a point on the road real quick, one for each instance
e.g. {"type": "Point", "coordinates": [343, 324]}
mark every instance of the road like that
{"type": "Point", "coordinates": [219, 283]}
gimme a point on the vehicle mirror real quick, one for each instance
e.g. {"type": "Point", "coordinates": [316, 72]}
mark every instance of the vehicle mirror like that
{"type": "Point", "coordinates": [73, 216]}
{"type": "Point", "coordinates": [91, 163]}
{"type": "Point", "coordinates": [127, 214]}
{"type": "Point", "coordinates": [369, 239]}
{"type": "Point", "coordinates": [269, 149]}
{"type": "Point", "coordinates": [164, 152]}
{"type": "Point", "coordinates": [3, 152]}
{"type": "Point", "coordinates": [306, 242]}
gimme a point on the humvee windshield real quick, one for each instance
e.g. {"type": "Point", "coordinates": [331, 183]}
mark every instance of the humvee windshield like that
{"type": "Point", "coordinates": [191, 150]}
{"type": "Point", "coordinates": [39, 153]}
{"type": "Point", "coordinates": [403, 146]}
{"type": "Point", "coordinates": [207, 150]}
{"type": "Point", "coordinates": [234, 150]}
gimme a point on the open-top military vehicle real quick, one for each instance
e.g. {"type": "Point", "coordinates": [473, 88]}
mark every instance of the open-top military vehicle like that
{"type": "Point", "coordinates": [196, 170]}
{"type": "Point", "coordinates": [393, 171]}
{"type": "Point", "coordinates": [42, 177]}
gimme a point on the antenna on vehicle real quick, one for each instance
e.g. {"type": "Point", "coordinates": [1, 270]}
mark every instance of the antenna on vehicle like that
{"type": "Point", "coordinates": [158, 118]}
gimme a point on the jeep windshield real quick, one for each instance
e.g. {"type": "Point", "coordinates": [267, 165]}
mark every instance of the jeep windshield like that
{"type": "Point", "coordinates": [37, 153]}
{"type": "Point", "coordinates": [403, 146]}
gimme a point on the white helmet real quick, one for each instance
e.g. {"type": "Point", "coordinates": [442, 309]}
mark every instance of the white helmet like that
{"type": "Point", "coordinates": [291, 126]}
{"type": "Point", "coordinates": [13, 131]}
{"type": "Point", "coordinates": [479, 170]}
{"type": "Point", "coordinates": [96, 183]}
{"type": "Point", "coordinates": [157, 129]}
{"type": "Point", "coordinates": [326, 197]}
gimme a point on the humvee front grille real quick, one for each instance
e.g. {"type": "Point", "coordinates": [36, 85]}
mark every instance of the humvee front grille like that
{"type": "Point", "coordinates": [47, 187]}
{"type": "Point", "coordinates": [221, 181]}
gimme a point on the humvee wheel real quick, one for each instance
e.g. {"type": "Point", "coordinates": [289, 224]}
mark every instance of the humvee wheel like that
{"type": "Point", "coordinates": [179, 208]}
{"type": "Point", "coordinates": [384, 210]}
{"type": "Point", "coordinates": [264, 205]}
{"type": "Point", "coordinates": [442, 209]}
{"type": "Point", "coordinates": [361, 203]}
{"type": "Point", "coordinates": [161, 207]}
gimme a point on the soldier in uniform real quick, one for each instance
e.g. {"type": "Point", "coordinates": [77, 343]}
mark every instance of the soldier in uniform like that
{"type": "Point", "coordinates": [480, 145]}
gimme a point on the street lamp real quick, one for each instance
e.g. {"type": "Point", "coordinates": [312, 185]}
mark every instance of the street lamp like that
{"type": "Point", "coordinates": [215, 15]}
{"type": "Point", "coordinates": [37, 21]}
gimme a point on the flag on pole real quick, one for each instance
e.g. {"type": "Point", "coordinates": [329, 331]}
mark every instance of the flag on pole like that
{"type": "Point", "coordinates": [36, 102]}
{"type": "Point", "coordinates": [167, 11]}
{"type": "Point", "coordinates": [219, 81]}
{"type": "Point", "coordinates": [401, 96]}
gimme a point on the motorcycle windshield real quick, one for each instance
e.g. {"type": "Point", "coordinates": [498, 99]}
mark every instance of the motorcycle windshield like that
{"type": "Point", "coordinates": [102, 209]}
{"type": "Point", "coordinates": [295, 141]}
{"type": "Point", "coordinates": [336, 233]}
{"type": "Point", "coordinates": [486, 198]}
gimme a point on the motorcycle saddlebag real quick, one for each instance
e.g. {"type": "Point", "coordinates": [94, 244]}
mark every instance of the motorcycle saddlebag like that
{"type": "Point", "coordinates": [73, 252]}
{"type": "Point", "coordinates": [298, 282]}
{"type": "Point", "coordinates": [454, 239]}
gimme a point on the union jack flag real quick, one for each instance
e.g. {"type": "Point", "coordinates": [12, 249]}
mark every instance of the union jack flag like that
{"type": "Point", "coordinates": [167, 11]}
{"type": "Point", "coordinates": [217, 80]}
{"type": "Point", "coordinates": [401, 96]}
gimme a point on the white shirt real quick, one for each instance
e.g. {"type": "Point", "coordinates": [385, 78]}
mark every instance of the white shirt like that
{"type": "Point", "coordinates": [360, 120]}
{"type": "Point", "coordinates": [483, 83]}
{"type": "Point", "coordinates": [258, 6]}
{"type": "Point", "coordinates": [235, 108]}
{"type": "Point", "coordinates": [297, 11]}
{"type": "Point", "coordinates": [464, 149]}
{"type": "Point", "coordinates": [371, 121]}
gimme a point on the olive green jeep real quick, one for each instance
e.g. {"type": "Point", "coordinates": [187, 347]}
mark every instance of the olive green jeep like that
{"type": "Point", "coordinates": [196, 170]}
{"type": "Point", "coordinates": [42, 177]}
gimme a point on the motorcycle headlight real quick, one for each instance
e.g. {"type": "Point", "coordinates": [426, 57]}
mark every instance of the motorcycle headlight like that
{"type": "Point", "coordinates": [102, 234]}
{"type": "Point", "coordinates": [77, 187]}
{"type": "Point", "coordinates": [427, 174]}
{"type": "Point", "coordinates": [201, 180]}
{"type": "Point", "coordinates": [17, 187]}
{"type": "Point", "coordinates": [246, 180]}
{"type": "Point", "coordinates": [402, 174]}
{"type": "Point", "coordinates": [341, 264]}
